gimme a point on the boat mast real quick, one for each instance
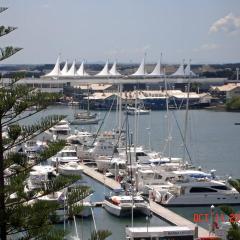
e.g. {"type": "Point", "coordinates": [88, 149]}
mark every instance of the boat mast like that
{"type": "Point", "coordinates": [117, 107]}
{"type": "Point", "coordinates": [186, 117]}
{"type": "Point", "coordinates": [135, 124]}
{"type": "Point", "coordinates": [88, 99]}
{"type": "Point", "coordinates": [120, 110]}
{"type": "Point", "coordinates": [168, 116]}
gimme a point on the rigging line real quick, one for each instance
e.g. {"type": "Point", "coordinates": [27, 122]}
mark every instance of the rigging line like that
{"type": "Point", "coordinates": [184, 144]}
{"type": "Point", "coordinates": [174, 100]}
{"type": "Point", "coordinates": [128, 145]}
{"type": "Point", "coordinates": [118, 139]}
{"type": "Point", "coordinates": [105, 116]}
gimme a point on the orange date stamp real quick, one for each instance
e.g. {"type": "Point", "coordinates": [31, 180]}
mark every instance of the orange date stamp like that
{"type": "Point", "coordinates": [216, 217]}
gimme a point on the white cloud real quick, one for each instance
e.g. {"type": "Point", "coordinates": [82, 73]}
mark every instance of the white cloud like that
{"type": "Point", "coordinates": [207, 47]}
{"type": "Point", "coordinates": [230, 23]}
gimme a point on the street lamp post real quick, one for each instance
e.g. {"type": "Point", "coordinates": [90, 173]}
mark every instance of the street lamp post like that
{"type": "Point", "coordinates": [212, 219]}
{"type": "Point", "coordinates": [147, 218]}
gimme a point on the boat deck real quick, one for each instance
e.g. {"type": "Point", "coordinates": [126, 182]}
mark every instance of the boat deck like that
{"type": "Point", "coordinates": [157, 209]}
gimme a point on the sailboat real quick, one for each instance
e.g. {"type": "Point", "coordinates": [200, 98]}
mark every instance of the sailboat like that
{"type": "Point", "coordinates": [85, 117]}
{"type": "Point", "coordinates": [127, 203]}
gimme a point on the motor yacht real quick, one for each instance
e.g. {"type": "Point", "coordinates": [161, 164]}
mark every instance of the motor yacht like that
{"type": "Point", "coordinates": [60, 131]}
{"type": "Point", "coordinates": [66, 155]}
{"type": "Point", "coordinates": [138, 111]}
{"type": "Point", "coordinates": [191, 187]}
{"type": "Point", "coordinates": [38, 176]}
{"type": "Point", "coordinates": [70, 168]}
{"type": "Point", "coordinates": [123, 205]}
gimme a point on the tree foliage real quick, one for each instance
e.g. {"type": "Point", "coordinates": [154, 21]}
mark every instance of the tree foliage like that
{"type": "Point", "coordinates": [100, 235]}
{"type": "Point", "coordinates": [233, 104]}
{"type": "Point", "coordinates": [24, 214]}
{"type": "Point", "coordinates": [234, 231]}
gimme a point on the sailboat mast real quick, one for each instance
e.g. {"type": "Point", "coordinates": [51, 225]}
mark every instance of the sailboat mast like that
{"type": "Point", "coordinates": [120, 110]}
{"type": "Point", "coordinates": [186, 118]}
{"type": "Point", "coordinates": [135, 124]}
{"type": "Point", "coordinates": [168, 118]}
{"type": "Point", "coordinates": [117, 107]}
{"type": "Point", "coordinates": [88, 99]}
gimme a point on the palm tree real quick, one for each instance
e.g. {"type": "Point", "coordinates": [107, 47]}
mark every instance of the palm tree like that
{"type": "Point", "coordinates": [234, 230]}
{"type": "Point", "coordinates": [235, 183]}
{"type": "Point", "coordinates": [100, 235]}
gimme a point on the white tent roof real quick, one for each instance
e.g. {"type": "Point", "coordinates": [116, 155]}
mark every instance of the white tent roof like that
{"type": "Point", "coordinates": [180, 71]}
{"type": "Point", "coordinates": [157, 70]}
{"type": "Point", "coordinates": [56, 70]}
{"type": "Point", "coordinates": [81, 71]}
{"type": "Point", "coordinates": [188, 71]}
{"type": "Point", "coordinates": [104, 71]}
{"type": "Point", "coordinates": [65, 68]}
{"type": "Point", "coordinates": [113, 71]}
{"type": "Point", "coordinates": [72, 71]}
{"type": "Point", "coordinates": [141, 70]}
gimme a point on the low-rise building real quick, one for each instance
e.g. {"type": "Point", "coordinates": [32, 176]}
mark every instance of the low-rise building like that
{"type": "Point", "coordinates": [226, 91]}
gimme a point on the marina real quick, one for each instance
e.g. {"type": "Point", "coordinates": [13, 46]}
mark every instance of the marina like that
{"type": "Point", "coordinates": [168, 215]}
{"type": "Point", "coordinates": [160, 211]}
{"type": "Point", "coordinates": [120, 120]}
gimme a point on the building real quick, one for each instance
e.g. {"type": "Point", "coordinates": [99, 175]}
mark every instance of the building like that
{"type": "Point", "coordinates": [160, 233]}
{"type": "Point", "coordinates": [226, 91]}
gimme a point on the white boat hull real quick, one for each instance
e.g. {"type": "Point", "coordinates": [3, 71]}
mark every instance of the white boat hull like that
{"type": "Point", "coordinates": [69, 172]}
{"type": "Point", "coordinates": [126, 209]}
{"type": "Point", "coordinates": [202, 199]}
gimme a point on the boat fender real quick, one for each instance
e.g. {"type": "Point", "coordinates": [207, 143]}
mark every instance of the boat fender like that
{"type": "Point", "coordinates": [165, 197]}
{"type": "Point", "coordinates": [151, 195]}
{"type": "Point", "coordinates": [158, 197]}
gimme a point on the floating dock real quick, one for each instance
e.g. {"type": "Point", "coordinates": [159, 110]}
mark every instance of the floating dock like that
{"type": "Point", "coordinates": [108, 182]}
{"type": "Point", "coordinates": [175, 219]}
{"type": "Point", "coordinates": [157, 209]}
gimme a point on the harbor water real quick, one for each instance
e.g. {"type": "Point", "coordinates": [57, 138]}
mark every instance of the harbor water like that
{"type": "Point", "coordinates": [213, 142]}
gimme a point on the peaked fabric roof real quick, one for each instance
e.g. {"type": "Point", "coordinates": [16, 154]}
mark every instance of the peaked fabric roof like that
{"type": "Point", "coordinates": [141, 69]}
{"type": "Point", "coordinates": [81, 71]}
{"type": "Point", "coordinates": [65, 68]}
{"type": "Point", "coordinates": [72, 71]}
{"type": "Point", "coordinates": [157, 70]}
{"type": "Point", "coordinates": [180, 71]}
{"type": "Point", "coordinates": [56, 70]}
{"type": "Point", "coordinates": [104, 71]}
{"type": "Point", "coordinates": [113, 71]}
{"type": "Point", "coordinates": [188, 71]}
{"type": "Point", "coordinates": [2, 9]}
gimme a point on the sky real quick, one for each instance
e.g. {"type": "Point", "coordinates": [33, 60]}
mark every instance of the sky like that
{"type": "Point", "coordinates": [205, 31]}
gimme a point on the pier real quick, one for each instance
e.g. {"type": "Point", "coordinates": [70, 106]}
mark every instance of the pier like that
{"type": "Point", "coordinates": [157, 209]}
{"type": "Point", "coordinates": [175, 219]}
{"type": "Point", "coordinates": [108, 182]}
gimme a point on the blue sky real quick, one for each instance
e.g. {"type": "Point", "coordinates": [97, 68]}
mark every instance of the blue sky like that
{"type": "Point", "coordinates": [207, 31]}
